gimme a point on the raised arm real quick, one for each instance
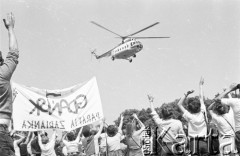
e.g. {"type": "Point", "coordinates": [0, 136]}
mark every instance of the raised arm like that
{"type": "Point", "coordinates": [29, 144]}
{"type": "Point", "coordinates": [180, 102]}
{"type": "Point", "coordinates": [28, 137]}
{"type": "Point", "coordinates": [100, 130]}
{"type": "Point", "coordinates": [79, 133]}
{"type": "Point", "coordinates": [203, 107]}
{"type": "Point", "coordinates": [140, 123]}
{"type": "Point", "coordinates": [121, 124]}
{"type": "Point", "coordinates": [154, 113]}
{"type": "Point", "coordinates": [231, 88]}
{"type": "Point", "coordinates": [64, 138]}
{"type": "Point", "coordinates": [9, 24]}
{"type": "Point", "coordinates": [19, 140]}
{"type": "Point", "coordinates": [40, 140]}
{"type": "Point", "coordinates": [11, 61]}
{"type": "Point", "coordinates": [53, 138]}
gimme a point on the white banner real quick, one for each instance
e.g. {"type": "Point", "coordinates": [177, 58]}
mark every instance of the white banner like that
{"type": "Point", "coordinates": [66, 109]}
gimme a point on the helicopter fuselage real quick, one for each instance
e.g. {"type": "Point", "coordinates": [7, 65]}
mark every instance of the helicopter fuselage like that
{"type": "Point", "coordinates": [127, 49]}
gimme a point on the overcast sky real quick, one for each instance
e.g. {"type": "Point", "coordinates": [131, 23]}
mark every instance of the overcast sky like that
{"type": "Point", "coordinates": [55, 38]}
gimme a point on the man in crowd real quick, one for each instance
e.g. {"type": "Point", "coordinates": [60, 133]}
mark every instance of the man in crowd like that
{"type": "Point", "coordinates": [7, 68]}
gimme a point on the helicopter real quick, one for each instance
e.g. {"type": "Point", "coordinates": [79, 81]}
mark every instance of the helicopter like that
{"type": "Point", "coordinates": [129, 46]}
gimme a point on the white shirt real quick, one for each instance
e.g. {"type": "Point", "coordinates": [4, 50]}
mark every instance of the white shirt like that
{"type": "Point", "coordinates": [173, 126]}
{"type": "Point", "coordinates": [72, 146]}
{"type": "Point", "coordinates": [64, 151]}
{"type": "Point", "coordinates": [114, 142]}
{"type": "Point", "coordinates": [16, 148]}
{"type": "Point", "coordinates": [103, 142]}
{"type": "Point", "coordinates": [234, 103]}
{"type": "Point", "coordinates": [196, 123]}
{"type": "Point", "coordinates": [47, 149]}
{"type": "Point", "coordinates": [222, 125]}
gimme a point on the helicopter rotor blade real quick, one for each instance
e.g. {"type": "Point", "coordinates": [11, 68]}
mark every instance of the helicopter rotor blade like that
{"type": "Point", "coordinates": [105, 28]}
{"type": "Point", "coordinates": [148, 37]}
{"type": "Point", "coordinates": [142, 29]}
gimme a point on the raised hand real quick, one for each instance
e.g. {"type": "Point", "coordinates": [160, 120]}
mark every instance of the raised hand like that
{"type": "Point", "coordinates": [134, 115]}
{"type": "Point", "coordinates": [201, 81]}
{"type": "Point", "coordinates": [233, 86]}
{"type": "Point", "coordinates": [150, 98]}
{"type": "Point", "coordinates": [9, 21]}
{"type": "Point", "coordinates": [121, 117]}
{"type": "Point", "coordinates": [189, 92]}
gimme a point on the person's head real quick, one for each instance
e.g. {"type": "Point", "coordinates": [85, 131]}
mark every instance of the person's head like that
{"type": "Point", "coordinates": [45, 138]}
{"type": "Point", "coordinates": [93, 132]}
{"type": "Point", "coordinates": [1, 59]}
{"type": "Point", "coordinates": [220, 109]}
{"type": "Point", "coordinates": [129, 129]}
{"type": "Point", "coordinates": [111, 130]}
{"type": "Point", "coordinates": [166, 111]}
{"type": "Point", "coordinates": [70, 136]}
{"type": "Point", "coordinates": [194, 105]}
{"type": "Point", "coordinates": [86, 131]}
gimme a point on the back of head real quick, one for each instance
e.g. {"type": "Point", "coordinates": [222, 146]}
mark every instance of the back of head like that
{"type": "Point", "coordinates": [70, 136]}
{"type": "Point", "coordinates": [93, 132]}
{"type": "Point", "coordinates": [111, 130]}
{"type": "Point", "coordinates": [166, 111]}
{"type": "Point", "coordinates": [194, 105]}
{"type": "Point", "coordinates": [219, 108]}
{"type": "Point", "coordinates": [86, 131]}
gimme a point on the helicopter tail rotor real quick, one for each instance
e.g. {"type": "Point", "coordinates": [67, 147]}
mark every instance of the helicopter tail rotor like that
{"type": "Point", "coordinates": [93, 52]}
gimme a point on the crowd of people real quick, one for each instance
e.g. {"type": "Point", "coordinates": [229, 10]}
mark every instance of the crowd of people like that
{"type": "Point", "coordinates": [110, 140]}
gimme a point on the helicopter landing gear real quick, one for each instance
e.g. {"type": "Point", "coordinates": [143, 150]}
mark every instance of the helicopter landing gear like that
{"type": "Point", "coordinates": [130, 60]}
{"type": "Point", "coordinates": [134, 55]}
{"type": "Point", "coordinates": [113, 58]}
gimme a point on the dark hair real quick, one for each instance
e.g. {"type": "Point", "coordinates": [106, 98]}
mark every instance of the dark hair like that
{"type": "Point", "coordinates": [111, 130]}
{"type": "Point", "coordinates": [1, 58]}
{"type": "Point", "coordinates": [129, 129]}
{"type": "Point", "coordinates": [86, 131]}
{"type": "Point", "coordinates": [166, 111]}
{"type": "Point", "coordinates": [194, 105]}
{"type": "Point", "coordinates": [93, 132]}
{"type": "Point", "coordinates": [219, 108]}
{"type": "Point", "coordinates": [70, 136]}
{"type": "Point", "coordinates": [104, 129]}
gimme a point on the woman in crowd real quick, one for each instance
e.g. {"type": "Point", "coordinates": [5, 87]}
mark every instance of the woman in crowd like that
{"type": "Point", "coordinates": [90, 142]}
{"type": "Point", "coordinates": [172, 131]}
{"type": "Point", "coordinates": [224, 121]}
{"type": "Point", "coordinates": [35, 148]}
{"type": "Point", "coordinates": [18, 139]}
{"type": "Point", "coordinates": [72, 143]}
{"type": "Point", "coordinates": [133, 138]}
{"type": "Point", "coordinates": [234, 103]}
{"type": "Point", "coordinates": [23, 145]}
{"type": "Point", "coordinates": [113, 139]}
{"type": "Point", "coordinates": [46, 145]}
{"type": "Point", "coordinates": [195, 114]}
